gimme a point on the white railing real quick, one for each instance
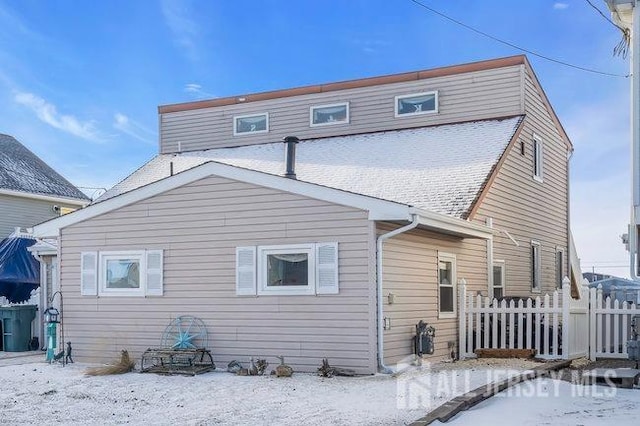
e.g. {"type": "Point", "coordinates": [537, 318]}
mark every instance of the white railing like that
{"type": "Point", "coordinates": [531, 323]}
{"type": "Point", "coordinates": [611, 325]}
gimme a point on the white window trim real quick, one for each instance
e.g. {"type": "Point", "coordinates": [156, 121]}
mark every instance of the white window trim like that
{"type": "Point", "coordinates": [103, 256]}
{"type": "Point", "coordinates": [448, 257]}
{"type": "Point", "coordinates": [412, 95]}
{"type": "Point", "coordinates": [501, 264]}
{"type": "Point", "coordinates": [538, 159]}
{"type": "Point", "coordinates": [264, 251]}
{"type": "Point", "coordinates": [347, 119]}
{"type": "Point", "coordinates": [537, 264]}
{"type": "Point", "coordinates": [257, 132]}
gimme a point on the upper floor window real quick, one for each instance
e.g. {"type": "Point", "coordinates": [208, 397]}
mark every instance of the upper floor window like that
{"type": "Point", "coordinates": [250, 124]}
{"type": "Point", "coordinates": [536, 267]}
{"type": "Point", "coordinates": [559, 267]}
{"type": "Point", "coordinates": [416, 103]}
{"type": "Point", "coordinates": [538, 158]}
{"type": "Point", "coordinates": [326, 115]}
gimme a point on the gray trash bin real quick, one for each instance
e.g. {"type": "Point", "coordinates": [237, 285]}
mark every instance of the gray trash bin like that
{"type": "Point", "coordinates": [16, 327]}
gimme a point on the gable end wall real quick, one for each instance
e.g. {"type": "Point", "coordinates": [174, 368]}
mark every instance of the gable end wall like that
{"type": "Point", "coordinates": [527, 209]}
{"type": "Point", "coordinates": [199, 227]}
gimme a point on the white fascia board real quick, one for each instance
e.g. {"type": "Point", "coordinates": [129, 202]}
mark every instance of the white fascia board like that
{"type": "Point", "coordinates": [54, 199]}
{"type": "Point", "coordinates": [452, 225]}
{"type": "Point", "coordinates": [378, 209]}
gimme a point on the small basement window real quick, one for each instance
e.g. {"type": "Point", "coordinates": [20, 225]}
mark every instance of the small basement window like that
{"type": "Point", "coordinates": [327, 115]}
{"type": "Point", "coordinates": [250, 124]}
{"type": "Point", "coordinates": [417, 104]}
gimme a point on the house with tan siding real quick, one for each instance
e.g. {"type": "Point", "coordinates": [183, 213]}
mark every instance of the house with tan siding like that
{"type": "Point", "coordinates": [388, 192]}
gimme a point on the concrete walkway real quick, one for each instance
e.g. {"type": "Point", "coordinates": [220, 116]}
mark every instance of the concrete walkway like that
{"type": "Point", "coordinates": [463, 402]}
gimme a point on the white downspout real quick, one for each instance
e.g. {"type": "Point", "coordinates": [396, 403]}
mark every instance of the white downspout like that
{"type": "Point", "coordinates": [489, 222]}
{"type": "Point", "coordinates": [635, 140]}
{"type": "Point", "coordinates": [414, 223]}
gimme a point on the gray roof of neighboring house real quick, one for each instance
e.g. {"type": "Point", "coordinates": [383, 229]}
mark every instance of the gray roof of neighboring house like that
{"type": "Point", "coordinates": [22, 171]}
{"type": "Point", "coordinates": [440, 168]}
{"type": "Point", "coordinates": [616, 282]}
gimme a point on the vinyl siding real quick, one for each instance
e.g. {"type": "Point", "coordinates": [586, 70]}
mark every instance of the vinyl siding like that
{"type": "Point", "coordinates": [410, 272]}
{"type": "Point", "coordinates": [199, 227]}
{"type": "Point", "coordinates": [463, 97]}
{"type": "Point", "coordinates": [24, 213]}
{"type": "Point", "coordinates": [527, 209]}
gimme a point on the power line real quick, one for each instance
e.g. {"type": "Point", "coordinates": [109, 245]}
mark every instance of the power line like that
{"type": "Point", "coordinates": [622, 49]}
{"type": "Point", "coordinates": [606, 18]}
{"type": "Point", "coordinates": [522, 49]}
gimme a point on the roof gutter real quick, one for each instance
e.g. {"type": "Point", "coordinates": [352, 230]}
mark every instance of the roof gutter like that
{"type": "Point", "coordinates": [381, 239]}
{"type": "Point", "coordinates": [450, 225]}
{"type": "Point", "coordinates": [54, 199]}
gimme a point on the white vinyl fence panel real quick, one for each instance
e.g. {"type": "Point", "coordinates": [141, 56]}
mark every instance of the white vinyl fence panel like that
{"type": "Point", "coordinates": [548, 324]}
{"type": "Point", "coordinates": [611, 321]}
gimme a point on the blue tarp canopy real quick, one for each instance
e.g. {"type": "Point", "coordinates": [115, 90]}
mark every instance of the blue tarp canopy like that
{"type": "Point", "coordinates": [19, 270]}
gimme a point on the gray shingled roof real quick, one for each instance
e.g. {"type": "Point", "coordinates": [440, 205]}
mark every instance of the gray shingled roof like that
{"type": "Point", "coordinates": [440, 168]}
{"type": "Point", "coordinates": [21, 170]}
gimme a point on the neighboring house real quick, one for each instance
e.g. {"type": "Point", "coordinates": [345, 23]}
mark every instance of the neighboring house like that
{"type": "Point", "coordinates": [409, 182]}
{"type": "Point", "coordinates": [31, 192]}
{"type": "Point", "coordinates": [593, 276]}
{"type": "Point", "coordinates": [620, 289]}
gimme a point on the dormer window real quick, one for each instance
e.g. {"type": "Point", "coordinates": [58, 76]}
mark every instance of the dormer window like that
{"type": "Point", "coordinates": [250, 124]}
{"type": "Point", "coordinates": [417, 104]}
{"type": "Point", "coordinates": [327, 115]}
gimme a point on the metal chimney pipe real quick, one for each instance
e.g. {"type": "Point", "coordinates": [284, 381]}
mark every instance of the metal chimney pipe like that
{"type": "Point", "coordinates": [290, 156]}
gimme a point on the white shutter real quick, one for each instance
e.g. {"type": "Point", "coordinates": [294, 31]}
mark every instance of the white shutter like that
{"type": "Point", "coordinates": [154, 273]}
{"type": "Point", "coordinates": [89, 273]}
{"type": "Point", "coordinates": [327, 268]}
{"type": "Point", "coordinates": [246, 271]}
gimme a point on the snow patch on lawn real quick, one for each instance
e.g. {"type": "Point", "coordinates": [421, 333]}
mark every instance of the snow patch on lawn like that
{"type": "Point", "coordinates": [40, 393]}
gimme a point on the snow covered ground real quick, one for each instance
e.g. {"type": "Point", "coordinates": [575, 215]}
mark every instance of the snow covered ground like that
{"type": "Point", "coordinates": [39, 393]}
{"type": "Point", "coordinates": [555, 402]}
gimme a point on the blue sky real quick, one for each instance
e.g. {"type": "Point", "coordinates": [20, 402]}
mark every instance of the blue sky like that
{"type": "Point", "coordinates": [80, 82]}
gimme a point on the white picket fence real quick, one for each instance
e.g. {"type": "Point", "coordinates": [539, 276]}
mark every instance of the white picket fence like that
{"type": "Point", "coordinates": [610, 325]}
{"type": "Point", "coordinates": [532, 323]}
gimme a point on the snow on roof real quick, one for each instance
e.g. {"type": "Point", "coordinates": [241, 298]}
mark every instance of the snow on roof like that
{"type": "Point", "coordinates": [21, 170]}
{"type": "Point", "coordinates": [440, 168]}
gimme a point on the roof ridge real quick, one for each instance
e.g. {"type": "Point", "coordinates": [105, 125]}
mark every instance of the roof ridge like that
{"type": "Point", "coordinates": [348, 84]}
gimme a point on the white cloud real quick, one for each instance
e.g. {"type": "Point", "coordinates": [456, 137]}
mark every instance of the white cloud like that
{"type": "Point", "coordinates": [197, 91]}
{"type": "Point", "coordinates": [179, 18]}
{"type": "Point", "coordinates": [132, 128]}
{"type": "Point", "coordinates": [49, 114]}
{"type": "Point", "coordinates": [560, 6]}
